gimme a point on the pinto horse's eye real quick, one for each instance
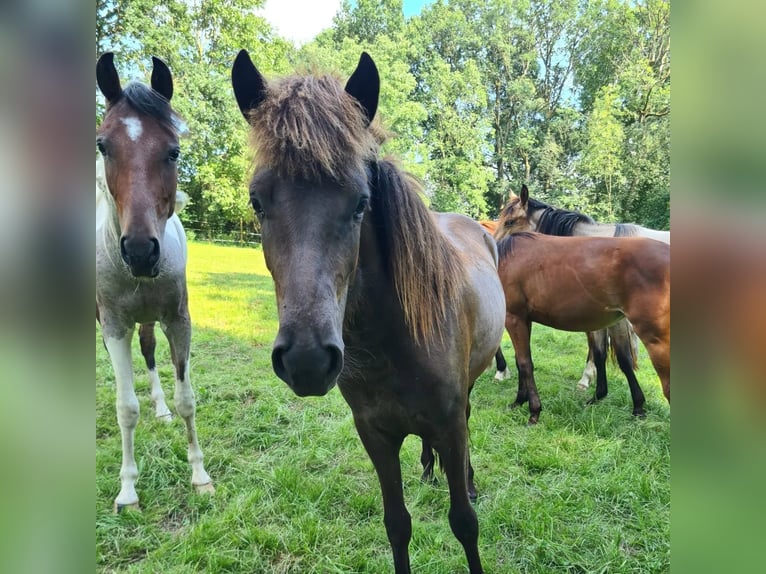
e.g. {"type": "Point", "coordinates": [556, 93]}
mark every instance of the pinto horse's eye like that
{"type": "Point", "coordinates": [257, 207]}
{"type": "Point", "coordinates": [361, 206]}
{"type": "Point", "coordinates": [173, 154]}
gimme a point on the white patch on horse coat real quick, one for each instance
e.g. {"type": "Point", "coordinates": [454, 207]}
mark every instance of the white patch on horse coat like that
{"type": "Point", "coordinates": [133, 127]}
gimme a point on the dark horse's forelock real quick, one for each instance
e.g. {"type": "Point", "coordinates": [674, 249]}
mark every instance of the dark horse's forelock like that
{"type": "Point", "coordinates": [309, 128]}
{"type": "Point", "coordinates": [147, 102]}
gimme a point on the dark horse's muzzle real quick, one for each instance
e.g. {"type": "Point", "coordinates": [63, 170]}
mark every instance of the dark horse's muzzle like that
{"type": "Point", "coordinates": [308, 369]}
{"type": "Point", "coordinates": [142, 256]}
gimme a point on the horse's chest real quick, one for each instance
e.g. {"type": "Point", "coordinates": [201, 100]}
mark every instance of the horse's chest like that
{"type": "Point", "coordinates": [138, 301]}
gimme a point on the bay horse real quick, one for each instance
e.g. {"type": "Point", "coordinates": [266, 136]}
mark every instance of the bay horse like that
{"type": "Point", "coordinates": [585, 284]}
{"type": "Point", "coordinates": [523, 213]}
{"type": "Point", "coordinates": [141, 255]}
{"type": "Point", "coordinates": [400, 307]}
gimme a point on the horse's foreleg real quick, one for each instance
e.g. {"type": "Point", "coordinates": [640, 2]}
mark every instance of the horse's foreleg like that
{"type": "Point", "coordinates": [179, 336]}
{"type": "Point", "coordinates": [462, 518]}
{"type": "Point", "coordinates": [127, 416]}
{"type": "Point", "coordinates": [148, 345]}
{"type": "Point", "coordinates": [598, 342]}
{"type": "Point", "coordinates": [472, 494]}
{"type": "Point", "coordinates": [383, 450]}
{"type": "Point", "coordinates": [520, 331]}
{"type": "Point", "coordinates": [655, 335]}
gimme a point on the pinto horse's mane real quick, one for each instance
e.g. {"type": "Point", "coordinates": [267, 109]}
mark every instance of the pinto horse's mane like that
{"type": "Point", "coordinates": [309, 128]}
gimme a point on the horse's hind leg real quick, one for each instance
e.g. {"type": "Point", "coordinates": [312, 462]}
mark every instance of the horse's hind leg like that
{"type": "Point", "coordinates": [178, 333]}
{"type": "Point", "coordinates": [621, 336]}
{"type": "Point", "coordinates": [502, 367]}
{"type": "Point", "coordinates": [589, 372]}
{"type": "Point", "coordinates": [127, 416]}
{"type": "Point", "coordinates": [148, 345]}
{"type": "Point", "coordinates": [599, 345]}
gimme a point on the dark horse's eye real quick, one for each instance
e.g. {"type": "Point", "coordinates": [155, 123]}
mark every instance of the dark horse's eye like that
{"type": "Point", "coordinates": [173, 154]}
{"type": "Point", "coordinates": [361, 206]}
{"type": "Point", "coordinates": [101, 148]}
{"type": "Point", "coordinates": [257, 207]}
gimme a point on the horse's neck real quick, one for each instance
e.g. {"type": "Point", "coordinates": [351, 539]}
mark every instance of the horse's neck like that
{"type": "Point", "coordinates": [373, 311]}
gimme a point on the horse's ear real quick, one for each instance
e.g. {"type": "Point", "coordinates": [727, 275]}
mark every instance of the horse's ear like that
{"type": "Point", "coordinates": [107, 78]}
{"type": "Point", "coordinates": [249, 85]}
{"type": "Point", "coordinates": [524, 195]}
{"type": "Point", "coordinates": [162, 80]}
{"type": "Point", "coordinates": [364, 85]}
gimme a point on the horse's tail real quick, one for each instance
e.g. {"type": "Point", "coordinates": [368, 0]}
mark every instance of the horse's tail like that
{"type": "Point", "coordinates": [181, 200]}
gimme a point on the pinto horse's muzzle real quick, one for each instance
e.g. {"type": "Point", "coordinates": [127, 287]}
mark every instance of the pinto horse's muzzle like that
{"type": "Point", "coordinates": [142, 256]}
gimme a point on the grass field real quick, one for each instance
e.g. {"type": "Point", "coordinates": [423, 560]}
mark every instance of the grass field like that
{"type": "Point", "coordinates": [586, 490]}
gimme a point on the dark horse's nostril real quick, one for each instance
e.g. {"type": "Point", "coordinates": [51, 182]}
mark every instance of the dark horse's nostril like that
{"type": "Point", "coordinates": [336, 361]}
{"type": "Point", "coordinates": [277, 361]}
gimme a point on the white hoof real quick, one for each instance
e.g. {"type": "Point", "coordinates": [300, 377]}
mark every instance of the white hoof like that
{"type": "Point", "coordinates": [207, 488]}
{"type": "Point", "coordinates": [502, 375]}
{"type": "Point", "coordinates": [165, 418]}
{"type": "Point", "coordinates": [583, 385]}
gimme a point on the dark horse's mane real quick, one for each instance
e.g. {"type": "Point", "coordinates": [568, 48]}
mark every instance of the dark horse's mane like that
{"type": "Point", "coordinates": [309, 128]}
{"type": "Point", "coordinates": [505, 245]}
{"type": "Point", "coordinates": [147, 102]}
{"type": "Point", "coordinates": [556, 221]}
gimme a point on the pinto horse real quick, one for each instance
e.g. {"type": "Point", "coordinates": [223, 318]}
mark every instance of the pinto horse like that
{"type": "Point", "coordinates": [585, 284]}
{"type": "Point", "coordinates": [141, 255]}
{"type": "Point", "coordinates": [400, 307]}
{"type": "Point", "coordinates": [523, 213]}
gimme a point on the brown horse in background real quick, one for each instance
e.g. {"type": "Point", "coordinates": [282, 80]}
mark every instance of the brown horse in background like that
{"type": "Point", "coordinates": [401, 307]}
{"type": "Point", "coordinates": [585, 284]}
{"type": "Point", "coordinates": [523, 213]}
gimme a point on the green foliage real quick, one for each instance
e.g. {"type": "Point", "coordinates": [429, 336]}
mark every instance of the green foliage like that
{"type": "Point", "coordinates": [572, 98]}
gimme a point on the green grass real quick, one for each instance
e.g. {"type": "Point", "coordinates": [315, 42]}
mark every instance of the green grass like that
{"type": "Point", "coordinates": [586, 490]}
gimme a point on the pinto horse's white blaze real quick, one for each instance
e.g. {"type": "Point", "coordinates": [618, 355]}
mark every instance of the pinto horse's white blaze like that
{"type": "Point", "coordinates": [133, 127]}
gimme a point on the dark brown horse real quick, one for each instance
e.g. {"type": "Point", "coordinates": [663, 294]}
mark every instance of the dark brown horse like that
{"type": "Point", "coordinates": [523, 213]}
{"type": "Point", "coordinates": [141, 255]}
{"type": "Point", "coordinates": [584, 284]}
{"type": "Point", "coordinates": [401, 307]}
